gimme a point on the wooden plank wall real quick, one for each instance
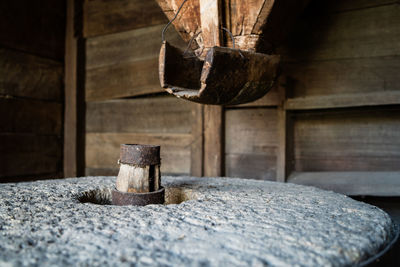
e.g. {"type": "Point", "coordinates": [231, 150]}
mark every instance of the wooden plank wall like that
{"type": "Point", "coordinates": [332, 120]}
{"type": "Point", "coordinates": [342, 65]}
{"type": "Point", "coordinates": [124, 101]}
{"type": "Point", "coordinates": [31, 89]}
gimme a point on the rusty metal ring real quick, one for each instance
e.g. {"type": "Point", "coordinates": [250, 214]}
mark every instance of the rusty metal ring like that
{"type": "Point", "coordinates": [138, 199]}
{"type": "Point", "coordinates": [139, 155]}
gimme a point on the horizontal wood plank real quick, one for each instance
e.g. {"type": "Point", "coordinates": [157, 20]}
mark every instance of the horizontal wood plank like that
{"type": "Point", "coordinates": [251, 166]}
{"type": "Point", "coordinates": [29, 76]}
{"type": "Point", "coordinates": [270, 99]}
{"type": "Point", "coordinates": [29, 154]}
{"type": "Point", "coordinates": [123, 80]}
{"type": "Point", "coordinates": [345, 100]}
{"type": "Point", "coordinates": [347, 140]}
{"type": "Point", "coordinates": [102, 149]}
{"type": "Point", "coordinates": [346, 76]}
{"type": "Point", "coordinates": [104, 17]}
{"type": "Point", "coordinates": [36, 27]}
{"type": "Point", "coordinates": [124, 64]}
{"type": "Point", "coordinates": [30, 116]}
{"type": "Point", "coordinates": [352, 183]}
{"type": "Point", "coordinates": [370, 32]}
{"type": "Point", "coordinates": [130, 46]}
{"type": "Point", "coordinates": [251, 143]}
{"type": "Point", "coordinates": [165, 114]}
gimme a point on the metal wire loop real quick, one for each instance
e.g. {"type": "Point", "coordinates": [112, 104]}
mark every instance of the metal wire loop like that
{"type": "Point", "coordinates": [169, 23]}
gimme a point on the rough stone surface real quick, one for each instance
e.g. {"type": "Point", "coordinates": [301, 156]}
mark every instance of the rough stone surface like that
{"type": "Point", "coordinates": [224, 222]}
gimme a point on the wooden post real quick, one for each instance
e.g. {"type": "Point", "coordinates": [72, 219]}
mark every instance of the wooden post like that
{"type": "Point", "coordinates": [73, 164]}
{"type": "Point", "coordinates": [213, 115]}
{"type": "Point", "coordinates": [70, 113]}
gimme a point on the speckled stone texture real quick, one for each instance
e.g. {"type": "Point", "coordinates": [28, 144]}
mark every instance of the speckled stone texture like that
{"type": "Point", "coordinates": [224, 222]}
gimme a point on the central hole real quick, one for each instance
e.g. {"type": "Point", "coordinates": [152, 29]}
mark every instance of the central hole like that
{"type": "Point", "coordinates": [173, 195]}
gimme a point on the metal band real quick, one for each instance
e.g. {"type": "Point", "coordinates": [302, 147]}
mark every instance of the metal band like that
{"type": "Point", "coordinates": [138, 199]}
{"type": "Point", "coordinates": [139, 155]}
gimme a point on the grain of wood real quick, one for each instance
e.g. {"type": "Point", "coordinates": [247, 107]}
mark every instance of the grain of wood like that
{"type": "Point", "coordinates": [346, 76]}
{"type": "Point", "coordinates": [105, 17]}
{"type": "Point", "coordinates": [354, 183]}
{"type": "Point", "coordinates": [30, 116]}
{"type": "Point", "coordinates": [36, 28]}
{"type": "Point", "coordinates": [29, 76]}
{"type": "Point", "coordinates": [364, 33]}
{"type": "Point", "coordinates": [197, 128]}
{"type": "Point", "coordinates": [130, 46]}
{"type": "Point", "coordinates": [143, 115]}
{"type": "Point", "coordinates": [29, 154]}
{"type": "Point", "coordinates": [251, 137]}
{"type": "Point", "coordinates": [363, 140]}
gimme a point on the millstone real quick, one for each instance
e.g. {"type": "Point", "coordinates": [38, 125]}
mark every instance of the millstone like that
{"type": "Point", "coordinates": [222, 222]}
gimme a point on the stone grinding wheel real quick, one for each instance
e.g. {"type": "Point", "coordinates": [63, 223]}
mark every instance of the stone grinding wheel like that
{"type": "Point", "coordinates": [222, 222]}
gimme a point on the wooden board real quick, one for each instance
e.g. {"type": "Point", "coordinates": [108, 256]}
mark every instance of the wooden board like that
{"type": "Point", "coordinates": [165, 114]}
{"type": "Point", "coordinates": [251, 142]}
{"type": "Point", "coordinates": [124, 64]}
{"type": "Point", "coordinates": [30, 116]}
{"type": "Point", "coordinates": [372, 183]}
{"type": "Point", "coordinates": [103, 17]}
{"type": "Point", "coordinates": [347, 140]}
{"type": "Point", "coordinates": [102, 149]}
{"type": "Point", "coordinates": [345, 76]}
{"type": "Point", "coordinates": [28, 76]}
{"type": "Point", "coordinates": [344, 100]}
{"type": "Point", "coordinates": [29, 154]}
{"type": "Point", "coordinates": [251, 166]}
{"type": "Point", "coordinates": [369, 32]}
{"type": "Point", "coordinates": [37, 27]}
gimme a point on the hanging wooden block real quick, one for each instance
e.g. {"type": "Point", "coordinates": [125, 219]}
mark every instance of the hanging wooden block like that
{"type": "Point", "coordinates": [218, 75]}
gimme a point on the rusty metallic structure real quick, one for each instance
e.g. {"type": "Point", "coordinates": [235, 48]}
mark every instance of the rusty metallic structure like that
{"type": "Point", "coordinates": [139, 179]}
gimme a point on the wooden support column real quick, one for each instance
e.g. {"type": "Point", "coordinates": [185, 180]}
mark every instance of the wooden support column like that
{"type": "Point", "coordinates": [196, 153]}
{"type": "Point", "coordinates": [285, 136]}
{"type": "Point", "coordinates": [213, 115]}
{"type": "Point", "coordinates": [73, 93]}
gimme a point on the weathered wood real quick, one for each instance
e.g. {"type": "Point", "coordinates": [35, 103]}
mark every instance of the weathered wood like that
{"type": "Point", "coordinates": [196, 150]}
{"type": "Point", "coordinates": [228, 76]}
{"type": "Point", "coordinates": [345, 76]}
{"type": "Point", "coordinates": [29, 154]}
{"type": "Point", "coordinates": [129, 46]}
{"type": "Point", "coordinates": [73, 94]}
{"type": "Point", "coordinates": [285, 136]}
{"type": "Point", "coordinates": [372, 183]}
{"type": "Point", "coordinates": [250, 166]}
{"type": "Point", "coordinates": [28, 76]}
{"type": "Point", "coordinates": [36, 27]}
{"type": "Point", "coordinates": [334, 6]}
{"type": "Point", "coordinates": [105, 17]}
{"type": "Point", "coordinates": [188, 21]}
{"type": "Point", "coordinates": [143, 115]}
{"type": "Point", "coordinates": [347, 140]}
{"type": "Point", "coordinates": [120, 65]}
{"type": "Point", "coordinates": [270, 99]}
{"type": "Point", "coordinates": [210, 19]}
{"type": "Point", "coordinates": [344, 100]}
{"type": "Point", "coordinates": [136, 179]}
{"type": "Point", "coordinates": [30, 116]}
{"type": "Point", "coordinates": [102, 149]}
{"type": "Point", "coordinates": [251, 137]}
{"type": "Point", "coordinates": [213, 141]}
{"type": "Point", "coordinates": [370, 32]}
{"type": "Point", "coordinates": [123, 80]}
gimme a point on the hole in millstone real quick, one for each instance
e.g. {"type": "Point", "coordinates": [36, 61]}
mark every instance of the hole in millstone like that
{"type": "Point", "coordinates": [173, 195]}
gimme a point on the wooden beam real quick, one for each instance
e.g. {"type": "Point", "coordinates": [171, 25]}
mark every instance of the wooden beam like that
{"type": "Point", "coordinates": [213, 142]}
{"type": "Point", "coordinates": [344, 100]}
{"type": "Point", "coordinates": [352, 183]}
{"type": "Point", "coordinates": [73, 119]}
{"type": "Point", "coordinates": [213, 122]}
{"type": "Point", "coordinates": [196, 153]}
